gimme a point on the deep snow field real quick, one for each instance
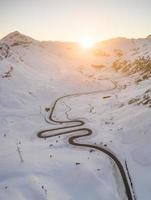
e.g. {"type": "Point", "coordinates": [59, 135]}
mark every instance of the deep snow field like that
{"type": "Point", "coordinates": [33, 75]}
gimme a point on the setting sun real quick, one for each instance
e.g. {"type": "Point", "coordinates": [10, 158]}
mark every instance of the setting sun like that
{"type": "Point", "coordinates": [86, 43]}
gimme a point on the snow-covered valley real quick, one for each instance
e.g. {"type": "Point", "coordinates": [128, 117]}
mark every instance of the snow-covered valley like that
{"type": "Point", "coordinates": [33, 75]}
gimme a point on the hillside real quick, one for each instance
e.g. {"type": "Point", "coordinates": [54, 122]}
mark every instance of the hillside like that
{"type": "Point", "coordinates": [33, 75]}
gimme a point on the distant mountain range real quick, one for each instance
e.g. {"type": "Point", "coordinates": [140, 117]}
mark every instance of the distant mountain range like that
{"type": "Point", "coordinates": [122, 54]}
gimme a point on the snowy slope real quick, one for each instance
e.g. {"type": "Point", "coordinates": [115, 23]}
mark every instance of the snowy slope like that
{"type": "Point", "coordinates": [32, 75]}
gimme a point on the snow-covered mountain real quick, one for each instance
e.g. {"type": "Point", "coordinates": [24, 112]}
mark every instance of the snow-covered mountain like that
{"type": "Point", "coordinates": [33, 75]}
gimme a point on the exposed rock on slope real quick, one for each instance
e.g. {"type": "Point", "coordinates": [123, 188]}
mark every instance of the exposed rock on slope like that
{"type": "Point", "coordinates": [4, 51]}
{"type": "Point", "coordinates": [143, 99]}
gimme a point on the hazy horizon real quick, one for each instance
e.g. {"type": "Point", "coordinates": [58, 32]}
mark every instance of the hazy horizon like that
{"type": "Point", "coordinates": [67, 40]}
{"type": "Point", "coordinates": [70, 20]}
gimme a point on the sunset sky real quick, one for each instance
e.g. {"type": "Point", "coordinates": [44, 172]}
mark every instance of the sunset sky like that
{"type": "Point", "coordinates": [70, 20]}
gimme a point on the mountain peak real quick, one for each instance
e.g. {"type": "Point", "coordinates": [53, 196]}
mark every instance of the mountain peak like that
{"type": "Point", "coordinates": [15, 33]}
{"type": "Point", "coordinates": [148, 37]}
{"type": "Point", "coordinates": [16, 38]}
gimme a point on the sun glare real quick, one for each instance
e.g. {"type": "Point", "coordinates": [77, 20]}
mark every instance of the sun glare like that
{"type": "Point", "coordinates": [86, 43]}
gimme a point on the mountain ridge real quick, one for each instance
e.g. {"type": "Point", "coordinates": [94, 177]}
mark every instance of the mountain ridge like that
{"type": "Point", "coordinates": [18, 34]}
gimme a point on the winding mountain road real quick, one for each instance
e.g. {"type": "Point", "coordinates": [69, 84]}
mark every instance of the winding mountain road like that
{"type": "Point", "coordinates": [74, 126]}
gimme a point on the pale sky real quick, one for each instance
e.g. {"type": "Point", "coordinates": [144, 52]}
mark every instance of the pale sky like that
{"type": "Point", "coordinates": [71, 20]}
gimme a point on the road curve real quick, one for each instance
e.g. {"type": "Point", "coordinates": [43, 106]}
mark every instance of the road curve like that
{"type": "Point", "coordinates": [85, 132]}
